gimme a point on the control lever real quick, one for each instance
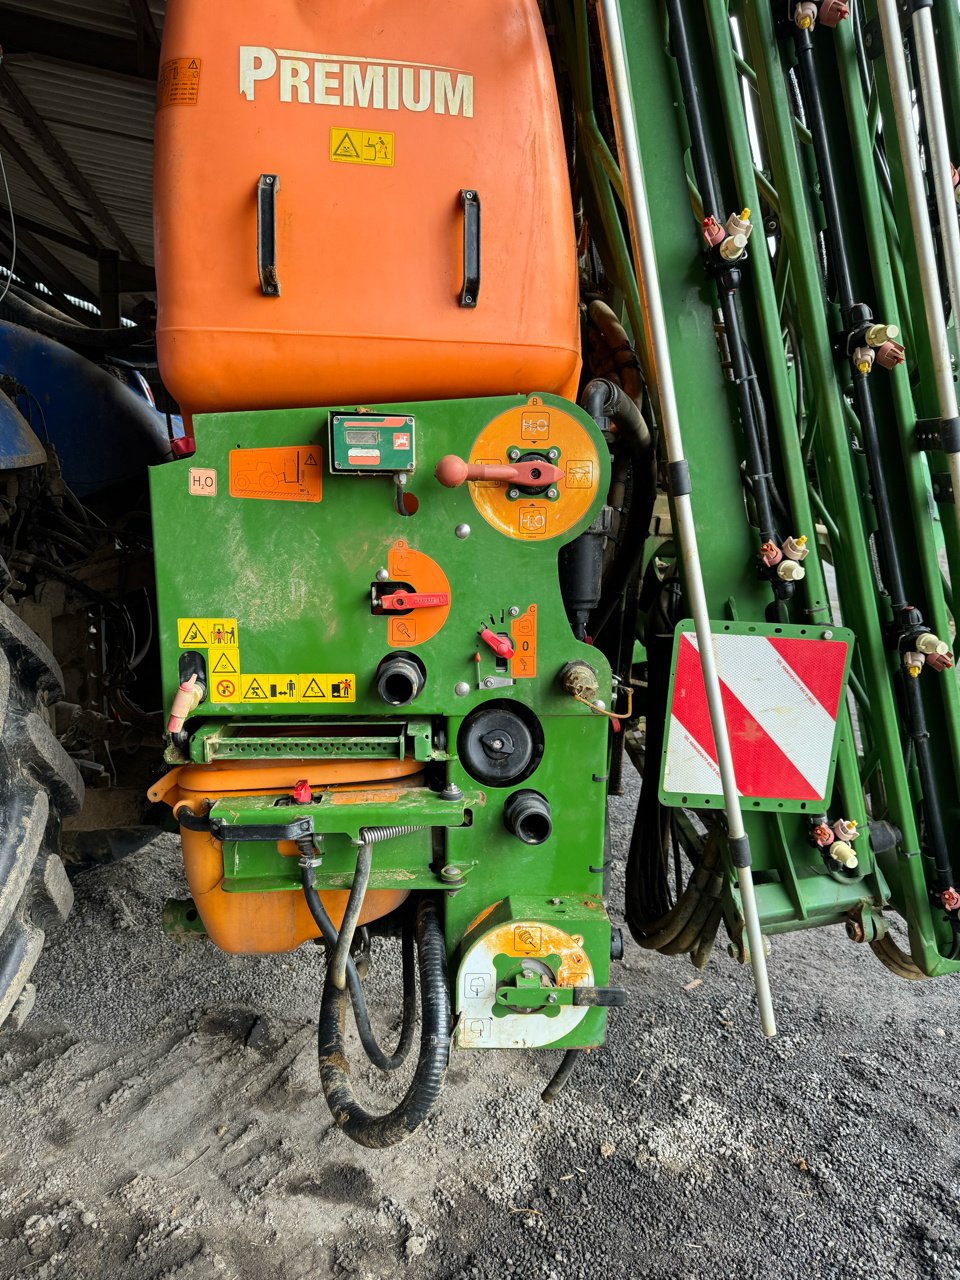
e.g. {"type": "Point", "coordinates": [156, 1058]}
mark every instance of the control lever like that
{"type": "Point", "coordinates": [533, 473]}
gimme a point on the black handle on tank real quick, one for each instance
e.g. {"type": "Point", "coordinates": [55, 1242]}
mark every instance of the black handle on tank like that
{"type": "Point", "coordinates": [470, 289]}
{"type": "Point", "coordinates": [267, 188]}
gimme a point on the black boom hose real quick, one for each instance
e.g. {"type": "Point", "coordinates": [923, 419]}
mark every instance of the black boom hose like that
{"type": "Point", "coordinates": [356, 1122]}
{"type": "Point", "coordinates": [74, 335]}
{"type": "Point", "coordinates": [606, 402]}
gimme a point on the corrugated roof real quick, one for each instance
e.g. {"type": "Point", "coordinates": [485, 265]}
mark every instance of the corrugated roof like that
{"type": "Point", "coordinates": [112, 17]}
{"type": "Point", "coordinates": [99, 116]}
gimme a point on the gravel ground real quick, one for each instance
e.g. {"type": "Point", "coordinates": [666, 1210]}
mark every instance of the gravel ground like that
{"type": "Point", "coordinates": [160, 1119]}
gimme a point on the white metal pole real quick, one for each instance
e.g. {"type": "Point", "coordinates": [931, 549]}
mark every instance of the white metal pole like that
{"type": "Point", "coordinates": [641, 235]}
{"type": "Point", "coordinates": [919, 216]}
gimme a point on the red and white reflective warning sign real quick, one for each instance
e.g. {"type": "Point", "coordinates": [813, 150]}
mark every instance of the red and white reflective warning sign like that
{"type": "Point", "coordinates": [781, 699]}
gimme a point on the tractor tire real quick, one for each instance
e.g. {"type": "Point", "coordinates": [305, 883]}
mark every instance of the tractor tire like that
{"type": "Point", "coordinates": [39, 784]}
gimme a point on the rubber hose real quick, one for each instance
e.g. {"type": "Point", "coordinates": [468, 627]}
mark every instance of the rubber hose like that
{"type": "Point", "coordinates": [604, 400]}
{"type": "Point", "coordinates": [75, 335]}
{"type": "Point", "coordinates": [348, 925]}
{"type": "Point", "coordinates": [360, 1125]}
{"type": "Point", "coordinates": [381, 1060]}
{"type": "Point", "coordinates": [568, 1064]}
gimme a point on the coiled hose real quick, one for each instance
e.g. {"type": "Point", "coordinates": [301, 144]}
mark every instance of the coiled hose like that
{"type": "Point", "coordinates": [356, 1122]}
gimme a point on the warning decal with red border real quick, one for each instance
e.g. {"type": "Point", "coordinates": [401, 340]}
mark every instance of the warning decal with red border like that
{"type": "Point", "coordinates": [782, 695]}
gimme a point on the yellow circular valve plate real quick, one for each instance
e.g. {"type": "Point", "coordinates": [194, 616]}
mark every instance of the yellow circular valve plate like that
{"type": "Point", "coordinates": [536, 427]}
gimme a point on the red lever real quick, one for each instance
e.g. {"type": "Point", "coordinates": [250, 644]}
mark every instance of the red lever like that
{"type": "Point", "coordinates": [303, 792]}
{"type": "Point", "coordinates": [413, 600]}
{"type": "Point", "coordinates": [500, 645]}
{"type": "Point", "coordinates": [533, 474]}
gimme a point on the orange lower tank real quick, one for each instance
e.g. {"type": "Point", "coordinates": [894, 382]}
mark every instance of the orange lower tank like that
{"type": "Point", "coordinates": [252, 923]}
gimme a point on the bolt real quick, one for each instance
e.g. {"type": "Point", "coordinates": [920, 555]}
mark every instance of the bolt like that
{"type": "Point", "coordinates": [856, 931]}
{"type": "Point", "coordinates": [600, 704]}
{"type": "Point", "coordinates": [513, 611]}
{"type": "Point", "coordinates": [513, 493]}
{"type": "Point", "coordinates": [450, 873]}
{"type": "Point", "coordinates": [488, 682]}
{"type": "Point", "coordinates": [553, 454]}
{"type": "Point", "coordinates": [554, 902]}
{"type": "Point", "coordinates": [468, 194]}
{"type": "Point", "coordinates": [497, 744]}
{"type": "Point", "coordinates": [552, 998]}
{"type": "Point", "coordinates": [382, 575]}
{"type": "Point", "coordinates": [551, 493]}
{"type": "Point", "coordinates": [826, 635]}
{"type": "Point", "coordinates": [462, 531]}
{"type": "Point", "coordinates": [461, 688]}
{"type": "Point", "coordinates": [513, 454]}
{"type": "Point", "coordinates": [468, 297]}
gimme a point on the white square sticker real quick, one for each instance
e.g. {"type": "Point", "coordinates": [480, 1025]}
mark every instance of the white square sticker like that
{"type": "Point", "coordinates": [203, 482]}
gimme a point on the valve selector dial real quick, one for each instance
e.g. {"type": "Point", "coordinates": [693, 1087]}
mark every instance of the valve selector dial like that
{"type": "Point", "coordinates": [533, 472]}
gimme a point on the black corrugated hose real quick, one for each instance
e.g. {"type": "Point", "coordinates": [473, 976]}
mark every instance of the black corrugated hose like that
{"type": "Point", "coordinates": [356, 1122]}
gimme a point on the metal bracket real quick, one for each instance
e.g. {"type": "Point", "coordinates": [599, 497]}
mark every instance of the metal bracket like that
{"type": "Point", "coordinates": [873, 39]}
{"type": "Point", "coordinates": [938, 435]}
{"type": "Point", "coordinates": [942, 484]}
{"type": "Point", "coordinates": [267, 188]}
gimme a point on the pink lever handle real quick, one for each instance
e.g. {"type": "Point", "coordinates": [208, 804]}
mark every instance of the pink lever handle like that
{"type": "Point", "coordinates": [453, 472]}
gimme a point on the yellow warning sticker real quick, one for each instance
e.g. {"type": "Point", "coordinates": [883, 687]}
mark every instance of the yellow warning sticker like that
{"type": "Point", "coordinates": [208, 633]}
{"type": "Point", "coordinates": [179, 83]}
{"type": "Point", "coordinates": [359, 146]}
{"type": "Point", "coordinates": [264, 687]}
{"type": "Point", "coordinates": [225, 662]}
{"type": "Point", "coordinates": [315, 687]}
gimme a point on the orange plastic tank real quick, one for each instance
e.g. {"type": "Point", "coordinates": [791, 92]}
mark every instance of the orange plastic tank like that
{"type": "Point", "coordinates": [313, 244]}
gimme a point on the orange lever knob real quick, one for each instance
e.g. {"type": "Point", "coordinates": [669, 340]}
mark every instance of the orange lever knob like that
{"type": "Point", "coordinates": [533, 473]}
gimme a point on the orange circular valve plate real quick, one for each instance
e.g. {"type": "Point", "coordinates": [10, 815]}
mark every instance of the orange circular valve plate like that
{"type": "Point", "coordinates": [536, 428]}
{"type": "Point", "coordinates": [424, 574]}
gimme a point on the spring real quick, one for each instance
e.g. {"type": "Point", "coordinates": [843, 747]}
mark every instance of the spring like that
{"type": "Point", "coordinates": [376, 835]}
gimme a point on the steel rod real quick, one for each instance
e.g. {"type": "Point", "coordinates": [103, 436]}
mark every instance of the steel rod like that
{"type": "Point", "coordinates": [929, 76]}
{"type": "Point", "coordinates": [641, 234]}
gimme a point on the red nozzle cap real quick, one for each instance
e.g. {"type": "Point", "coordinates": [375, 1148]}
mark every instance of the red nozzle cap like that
{"type": "Point", "coordinates": [183, 447]}
{"type": "Point", "coordinates": [950, 899]}
{"type": "Point", "coordinates": [302, 792]}
{"type": "Point", "coordinates": [833, 12]}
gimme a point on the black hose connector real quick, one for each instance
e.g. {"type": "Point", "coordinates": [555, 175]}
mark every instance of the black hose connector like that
{"type": "Point", "coordinates": [607, 403]}
{"type": "Point", "coordinates": [400, 679]}
{"type": "Point", "coordinates": [527, 816]}
{"type": "Point", "coordinates": [360, 1125]}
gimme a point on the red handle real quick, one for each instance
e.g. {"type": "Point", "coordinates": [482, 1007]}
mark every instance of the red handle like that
{"type": "Point", "coordinates": [413, 600]}
{"type": "Point", "coordinates": [500, 645]}
{"type": "Point", "coordinates": [534, 474]}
